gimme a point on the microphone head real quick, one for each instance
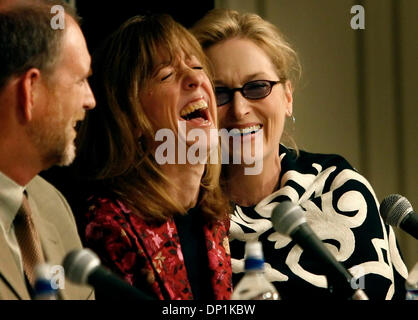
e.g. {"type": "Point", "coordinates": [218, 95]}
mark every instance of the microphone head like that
{"type": "Point", "coordinates": [78, 264]}
{"type": "Point", "coordinates": [286, 217]}
{"type": "Point", "coordinates": [394, 209]}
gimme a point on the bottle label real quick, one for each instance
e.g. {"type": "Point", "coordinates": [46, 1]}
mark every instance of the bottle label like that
{"type": "Point", "coordinates": [254, 264]}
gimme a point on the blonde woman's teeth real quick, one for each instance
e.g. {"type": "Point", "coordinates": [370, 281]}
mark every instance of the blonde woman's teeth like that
{"type": "Point", "coordinates": [245, 131]}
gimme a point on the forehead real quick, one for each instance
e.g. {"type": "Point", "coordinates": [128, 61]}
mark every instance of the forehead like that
{"type": "Point", "coordinates": [238, 58]}
{"type": "Point", "coordinates": [172, 43]}
{"type": "Point", "coordinates": [174, 57]}
{"type": "Point", "coordinates": [74, 50]}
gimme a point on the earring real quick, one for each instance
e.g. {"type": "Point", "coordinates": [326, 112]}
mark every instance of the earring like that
{"type": "Point", "coordinates": [293, 119]}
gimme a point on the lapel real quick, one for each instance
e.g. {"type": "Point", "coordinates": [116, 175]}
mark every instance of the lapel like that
{"type": "Point", "coordinates": [10, 272]}
{"type": "Point", "coordinates": [50, 238]}
{"type": "Point", "coordinates": [54, 251]}
{"type": "Point", "coordinates": [45, 209]}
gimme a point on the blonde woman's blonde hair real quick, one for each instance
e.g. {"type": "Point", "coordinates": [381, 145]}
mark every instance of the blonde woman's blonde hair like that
{"type": "Point", "coordinates": [222, 24]}
{"type": "Point", "coordinates": [113, 141]}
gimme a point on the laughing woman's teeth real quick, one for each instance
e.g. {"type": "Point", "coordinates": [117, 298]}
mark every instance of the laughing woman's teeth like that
{"type": "Point", "coordinates": [201, 104]}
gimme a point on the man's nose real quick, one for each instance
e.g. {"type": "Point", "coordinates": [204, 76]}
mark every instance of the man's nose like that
{"type": "Point", "coordinates": [90, 101]}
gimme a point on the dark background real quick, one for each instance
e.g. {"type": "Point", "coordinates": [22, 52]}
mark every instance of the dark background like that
{"type": "Point", "coordinates": [100, 18]}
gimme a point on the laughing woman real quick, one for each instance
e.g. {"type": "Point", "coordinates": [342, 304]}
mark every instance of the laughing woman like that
{"type": "Point", "coordinates": [254, 71]}
{"type": "Point", "coordinates": [159, 225]}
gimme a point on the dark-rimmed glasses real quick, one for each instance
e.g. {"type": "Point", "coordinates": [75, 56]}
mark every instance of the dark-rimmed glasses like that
{"type": "Point", "coordinates": [253, 90]}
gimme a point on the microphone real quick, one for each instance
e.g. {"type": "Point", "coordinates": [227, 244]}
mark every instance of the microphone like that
{"type": "Point", "coordinates": [289, 219]}
{"type": "Point", "coordinates": [397, 211]}
{"type": "Point", "coordinates": [83, 266]}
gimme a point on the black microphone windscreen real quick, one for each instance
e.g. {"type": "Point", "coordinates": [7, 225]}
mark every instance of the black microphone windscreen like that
{"type": "Point", "coordinates": [83, 267]}
{"type": "Point", "coordinates": [394, 209]}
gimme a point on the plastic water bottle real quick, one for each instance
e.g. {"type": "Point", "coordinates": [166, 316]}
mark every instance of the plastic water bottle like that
{"type": "Point", "coordinates": [254, 285]}
{"type": "Point", "coordinates": [44, 289]}
{"type": "Point", "coordinates": [411, 284]}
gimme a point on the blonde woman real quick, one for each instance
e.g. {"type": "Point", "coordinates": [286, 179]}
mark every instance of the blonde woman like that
{"type": "Point", "coordinates": [255, 70]}
{"type": "Point", "coordinates": [161, 226]}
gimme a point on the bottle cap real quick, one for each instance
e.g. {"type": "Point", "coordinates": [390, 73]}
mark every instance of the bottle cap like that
{"type": "Point", "coordinates": [42, 271]}
{"type": "Point", "coordinates": [254, 249]}
{"type": "Point", "coordinates": [254, 258]}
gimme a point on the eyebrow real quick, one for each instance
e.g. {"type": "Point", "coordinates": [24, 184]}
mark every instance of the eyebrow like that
{"type": "Point", "coordinates": [255, 76]}
{"type": "Point", "coordinates": [248, 78]}
{"type": "Point", "coordinates": [160, 66]}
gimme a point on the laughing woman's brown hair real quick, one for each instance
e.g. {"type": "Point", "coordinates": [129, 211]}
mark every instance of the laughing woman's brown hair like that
{"type": "Point", "coordinates": [145, 216]}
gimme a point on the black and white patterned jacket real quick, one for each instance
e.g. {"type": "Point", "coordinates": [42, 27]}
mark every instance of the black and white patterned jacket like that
{"type": "Point", "coordinates": [342, 209]}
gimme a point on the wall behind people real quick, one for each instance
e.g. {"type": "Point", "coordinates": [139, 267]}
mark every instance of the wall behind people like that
{"type": "Point", "coordinates": [357, 96]}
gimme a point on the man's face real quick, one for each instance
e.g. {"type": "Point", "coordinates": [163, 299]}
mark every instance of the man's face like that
{"type": "Point", "coordinates": [66, 95]}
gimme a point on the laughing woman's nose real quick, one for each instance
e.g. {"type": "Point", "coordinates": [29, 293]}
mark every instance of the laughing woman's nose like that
{"type": "Point", "coordinates": [193, 78]}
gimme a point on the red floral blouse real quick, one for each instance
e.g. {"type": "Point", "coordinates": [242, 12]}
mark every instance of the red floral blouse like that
{"type": "Point", "coordinates": [137, 250]}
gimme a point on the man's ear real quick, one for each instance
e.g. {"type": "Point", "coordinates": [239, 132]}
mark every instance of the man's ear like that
{"type": "Point", "coordinates": [30, 90]}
